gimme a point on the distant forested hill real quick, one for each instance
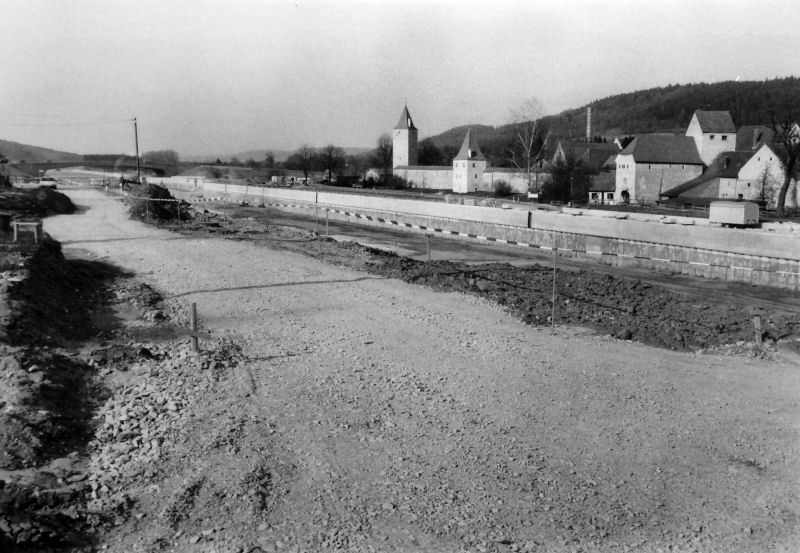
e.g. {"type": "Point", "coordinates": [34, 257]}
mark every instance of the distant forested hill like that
{"type": "Point", "coordinates": [492, 141]}
{"type": "Point", "coordinates": [671, 107]}
{"type": "Point", "coordinates": [16, 152]}
{"type": "Point", "coordinates": [665, 109]}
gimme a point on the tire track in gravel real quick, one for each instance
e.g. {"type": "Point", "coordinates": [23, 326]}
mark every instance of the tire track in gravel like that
{"type": "Point", "coordinates": [425, 421]}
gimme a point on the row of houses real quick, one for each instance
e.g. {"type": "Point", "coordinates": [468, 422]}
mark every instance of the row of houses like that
{"type": "Point", "coordinates": [711, 160]}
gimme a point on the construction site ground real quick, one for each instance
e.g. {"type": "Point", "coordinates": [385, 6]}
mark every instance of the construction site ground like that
{"type": "Point", "coordinates": [349, 399]}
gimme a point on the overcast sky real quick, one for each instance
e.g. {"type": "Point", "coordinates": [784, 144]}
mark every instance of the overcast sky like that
{"type": "Point", "coordinates": [227, 76]}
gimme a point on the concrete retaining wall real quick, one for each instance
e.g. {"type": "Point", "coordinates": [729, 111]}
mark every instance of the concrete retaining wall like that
{"type": "Point", "coordinates": [753, 256]}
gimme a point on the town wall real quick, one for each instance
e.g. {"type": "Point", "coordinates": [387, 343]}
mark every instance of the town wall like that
{"type": "Point", "coordinates": [518, 180]}
{"type": "Point", "coordinates": [433, 178]}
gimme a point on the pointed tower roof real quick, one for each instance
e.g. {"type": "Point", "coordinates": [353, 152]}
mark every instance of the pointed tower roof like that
{"type": "Point", "coordinates": [405, 121]}
{"type": "Point", "coordinates": [470, 149]}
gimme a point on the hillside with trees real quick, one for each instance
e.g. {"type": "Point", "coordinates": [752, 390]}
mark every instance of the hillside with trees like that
{"type": "Point", "coordinates": [663, 109]}
{"type": "Point", "coordinates": [15, 152]}
{"type": "Point", "coordinates": [671, 107]}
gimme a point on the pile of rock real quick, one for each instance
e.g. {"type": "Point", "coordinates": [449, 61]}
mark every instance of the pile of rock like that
{"type": "Point", "coordinates": [144, 415]}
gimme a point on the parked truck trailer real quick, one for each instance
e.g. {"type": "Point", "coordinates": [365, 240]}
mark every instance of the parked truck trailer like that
{"type": "Point", "coordinates": [735, 214]}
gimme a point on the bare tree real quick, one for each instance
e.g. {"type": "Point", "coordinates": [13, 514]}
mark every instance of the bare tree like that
{"type": "Point", "coordinates": [358, 165]}
{"type": "Point", "coordinates": [332, 160]}
{"type": "Point", "coordinates": [787, 142]}
{"type": "Point", "coordinates": [302, 160]}
{"type": "Point", "coordinates": [767, 193]}
{"type": "Point", "coordinates": [383, 154]}
{"type": "Point", "coordinates": [269, 160]}
{"type": "Point", "coordinates": [530, 140]}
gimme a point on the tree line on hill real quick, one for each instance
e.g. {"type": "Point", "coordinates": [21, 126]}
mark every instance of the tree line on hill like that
{"type": "Point", "coordinates": [660, 109]}
{"type": "Point", "coordinates": [671, 107]}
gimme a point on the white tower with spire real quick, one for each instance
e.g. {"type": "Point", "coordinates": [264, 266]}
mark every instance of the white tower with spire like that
{"type": "Point", "coordinates": [468, 166]}
{"type": "Point", "coordinates": [404, 141]}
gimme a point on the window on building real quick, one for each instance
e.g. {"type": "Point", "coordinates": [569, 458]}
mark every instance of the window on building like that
{"type": "Point", "coordinates": [724, 137]}
{"type": "Point", "coordinates": [711, 137]}
{"type": "Point", "coordinates": [610, 196]}
{"type": "Point", "coordinates": [473, 165]}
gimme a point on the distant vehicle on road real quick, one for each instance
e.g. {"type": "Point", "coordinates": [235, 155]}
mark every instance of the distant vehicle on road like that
{"type": "Point", "coordinates": [43, 182]}
{"type": "Point", "coordinates": [47, 182]}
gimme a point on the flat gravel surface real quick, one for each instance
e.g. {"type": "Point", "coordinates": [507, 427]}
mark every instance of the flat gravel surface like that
{"type": "Point", "coordinates": [385, 416]}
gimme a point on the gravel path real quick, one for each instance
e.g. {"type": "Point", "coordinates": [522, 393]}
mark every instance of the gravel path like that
{"type": "Point", "coordinates": [391, 417]}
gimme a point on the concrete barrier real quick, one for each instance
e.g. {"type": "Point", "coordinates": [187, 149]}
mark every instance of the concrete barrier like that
{"type": "Point", "coordinates": [753, 256]}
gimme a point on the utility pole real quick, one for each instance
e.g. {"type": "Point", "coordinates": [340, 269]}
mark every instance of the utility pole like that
{"type": "Point", "coordinates": [570, 188]}
{"type": "Point", "coordinates": [136, 138]}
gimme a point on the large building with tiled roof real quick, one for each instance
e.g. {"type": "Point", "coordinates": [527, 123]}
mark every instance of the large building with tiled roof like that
{"type": "Point", "coordinates": [652, 163]}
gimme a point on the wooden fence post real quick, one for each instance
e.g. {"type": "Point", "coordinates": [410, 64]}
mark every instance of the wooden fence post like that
{"type": "Point", "coordinates": [194, 327]}
{"type": "Point", "coordinates": [757, 326]}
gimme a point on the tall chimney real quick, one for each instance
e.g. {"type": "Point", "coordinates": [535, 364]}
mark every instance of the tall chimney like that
{"type": "Point", "coordinates": [589, 124]}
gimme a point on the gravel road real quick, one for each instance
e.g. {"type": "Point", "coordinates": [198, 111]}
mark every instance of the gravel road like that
{"type": "Point", "coordinates": [374, 415]}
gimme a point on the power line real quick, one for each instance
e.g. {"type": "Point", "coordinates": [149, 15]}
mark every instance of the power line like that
{"type": "Point", "coordinates": [73, 124]}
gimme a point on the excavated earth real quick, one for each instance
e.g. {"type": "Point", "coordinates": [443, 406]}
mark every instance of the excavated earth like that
{"type": "Point", "coordinates": [624, 308]}
{"type": "Point", "coordinates": [336, 405]}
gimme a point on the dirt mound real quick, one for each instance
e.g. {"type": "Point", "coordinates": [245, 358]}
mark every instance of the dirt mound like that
{"type": "Point", "coordinates": [627, 308]}
{"type": "Point", "coordinates": [151, 202]}
{"type": "Point", "coordinates": [38, 202]}
{"type": "Point", "coordinates": [50, 201]}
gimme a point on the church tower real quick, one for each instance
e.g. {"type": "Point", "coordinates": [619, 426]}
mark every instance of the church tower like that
{"type": "Point", "coordinates": [468, 166]}
{"type": "Point", "coordinates": [404, 141]}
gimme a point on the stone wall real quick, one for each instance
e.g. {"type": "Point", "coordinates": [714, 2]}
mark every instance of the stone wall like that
{"type": "Point", "coordinates": [434, 178]}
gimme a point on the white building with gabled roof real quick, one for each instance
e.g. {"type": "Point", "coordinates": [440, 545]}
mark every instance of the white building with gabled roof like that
{"type": "Point", "coordinates": [468, 166]}
{"type": "Point", "coordinates": [713, 132]}
{"type": "Point", "coordinates": [653, 163]}
{"type": "Point", "coordinates": [404, 141]}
